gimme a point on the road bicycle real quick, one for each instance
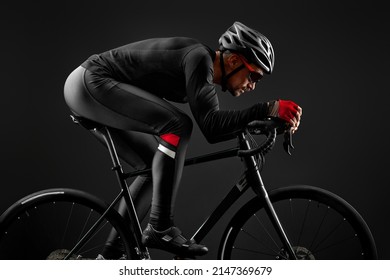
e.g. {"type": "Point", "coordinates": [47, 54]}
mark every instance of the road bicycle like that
{"type": "Point", "coordinates": [295, 222]}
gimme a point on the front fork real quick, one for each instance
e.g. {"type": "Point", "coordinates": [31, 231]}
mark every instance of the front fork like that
{"type": "Point", "coordinates": [259, 188]}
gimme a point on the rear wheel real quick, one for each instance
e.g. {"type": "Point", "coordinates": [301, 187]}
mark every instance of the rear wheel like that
{"type": "Point", "coordinates": [48, 225]}
{"type": "Point", "coordinates": [318, 223]}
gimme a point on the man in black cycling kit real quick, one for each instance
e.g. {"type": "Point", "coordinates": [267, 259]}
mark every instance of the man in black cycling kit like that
{"type": "Point", "coordinates": [128, 89]}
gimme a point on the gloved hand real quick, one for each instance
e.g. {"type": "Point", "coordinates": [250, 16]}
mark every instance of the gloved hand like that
{"type": "Point", "coordinates": [286, 110]}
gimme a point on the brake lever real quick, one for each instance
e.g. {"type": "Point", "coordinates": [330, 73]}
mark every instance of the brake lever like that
{"type": "Point", "coordinates": [287, 143]}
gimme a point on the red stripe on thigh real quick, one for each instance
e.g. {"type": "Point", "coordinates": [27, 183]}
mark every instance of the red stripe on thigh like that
{"type": "Point", "coordinates": [171, 138]}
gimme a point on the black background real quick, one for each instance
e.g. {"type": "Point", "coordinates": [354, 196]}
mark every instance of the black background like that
{"type": "Point", "coordinates": [331, 58]}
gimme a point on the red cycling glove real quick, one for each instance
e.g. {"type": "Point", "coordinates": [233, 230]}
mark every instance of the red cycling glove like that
{"type": "Point", "coordinates": [287, 110]}
{"type": "Point", "coordinates": [284, 109]}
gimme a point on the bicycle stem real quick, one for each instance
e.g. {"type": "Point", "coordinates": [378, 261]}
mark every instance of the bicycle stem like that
{"type": "Point", "coordinates": [260, 190]}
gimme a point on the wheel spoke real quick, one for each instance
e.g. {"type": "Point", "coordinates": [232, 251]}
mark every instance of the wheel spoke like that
{"type": "Point", "coordinates": [292, 215]}
{"type": "Point", "coordinates": [67, 225]}
{"type": "Point", "coordinates": [303, 222]}
{"type": "Point", "coordinates": [35, 219]}
{"type": "Point", "coordinates": [330, 233]}
{"type": "Point", "coordinates": [334, 244]}
{"type": "Point", "coordinates": [258, 252]}
{"type": "Point", "coordinates": [85, 224]}
{"type": "Point", "coordinates": [320, 226]}
{"type": "Point", "coordinates": [260, 242]}
{"type": "Point", "coordinates": [266, 231]}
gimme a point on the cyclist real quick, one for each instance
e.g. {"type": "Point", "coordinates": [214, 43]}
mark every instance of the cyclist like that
{"type": "Point", "coordinates": [129, 88]}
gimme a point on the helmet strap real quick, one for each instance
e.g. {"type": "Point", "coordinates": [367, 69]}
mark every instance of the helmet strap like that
{"type": "Point", "coordinates": [225, 77]}
{"type": "Point", "coordinates": [222, 66]}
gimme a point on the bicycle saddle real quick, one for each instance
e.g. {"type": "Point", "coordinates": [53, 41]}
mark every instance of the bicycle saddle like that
{"type": "Point", "coordinates": [86, 123]}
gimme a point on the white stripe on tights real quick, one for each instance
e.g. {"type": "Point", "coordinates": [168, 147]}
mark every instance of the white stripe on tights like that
{"type": "Point", "coordinates": [167, 151]}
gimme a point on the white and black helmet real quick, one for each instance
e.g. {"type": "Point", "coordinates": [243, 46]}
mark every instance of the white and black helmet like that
{"type": "Point", "coordinates": [253, 45]}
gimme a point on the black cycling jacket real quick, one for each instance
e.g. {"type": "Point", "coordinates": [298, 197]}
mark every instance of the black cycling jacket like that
{"type": "Point", "coordinates": [180, 70]}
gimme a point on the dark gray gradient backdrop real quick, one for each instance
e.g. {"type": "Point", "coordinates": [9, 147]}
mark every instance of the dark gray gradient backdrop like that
{"type": "Point", "coordinates": [331, 58]}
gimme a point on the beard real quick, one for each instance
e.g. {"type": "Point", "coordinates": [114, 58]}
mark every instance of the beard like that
{"type": "Point", "coordinates": [236, 92]}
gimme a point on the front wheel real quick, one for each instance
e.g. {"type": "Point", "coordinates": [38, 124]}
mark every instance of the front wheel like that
{"type": "Point", "coordinates": [50, 224]}
{"type": "Point", "coordinates": [318, 223]}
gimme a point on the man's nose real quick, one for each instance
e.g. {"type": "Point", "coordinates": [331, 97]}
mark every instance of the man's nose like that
{"type": "Point", "coordinates": [251, 86]}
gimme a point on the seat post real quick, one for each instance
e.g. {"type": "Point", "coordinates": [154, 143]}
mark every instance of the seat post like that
{"type": "Point", "coordinates": [117, 167]}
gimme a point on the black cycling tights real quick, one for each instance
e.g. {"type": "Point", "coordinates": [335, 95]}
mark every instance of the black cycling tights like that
{"type": "Point", "coordinates": [147, 132]}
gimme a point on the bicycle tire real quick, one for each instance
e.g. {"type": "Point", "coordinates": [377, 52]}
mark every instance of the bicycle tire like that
{"type": "Point", "coordinates": [43, 226]}
{"type": "Point", "coordinates": [335, 231]}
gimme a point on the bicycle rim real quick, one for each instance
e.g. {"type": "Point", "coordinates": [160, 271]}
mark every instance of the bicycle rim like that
{"type": "Point", "coordinates": [48, 225]}
{"type": "Point", "coordinates": [318, 223]}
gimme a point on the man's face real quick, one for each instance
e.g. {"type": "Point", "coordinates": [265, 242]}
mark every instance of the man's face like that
{"type": "Point", "coordinates": [241, 81]}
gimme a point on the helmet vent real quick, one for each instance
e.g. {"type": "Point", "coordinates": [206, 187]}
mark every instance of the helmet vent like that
{"type": "Point", "coordinates": [252, 33]}
{"type": "Point", "coordinates": [248, 38]}
{"type": "Point", "coordinates": [237, 41]}
{"type": "Point", "coordinates": [263, 59]}
{"type": "Point", "coordinates": [265, 46]}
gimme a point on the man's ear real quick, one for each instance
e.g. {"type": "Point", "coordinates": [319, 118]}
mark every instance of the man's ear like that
{"type": "Point", "coordinates": [234, 60]}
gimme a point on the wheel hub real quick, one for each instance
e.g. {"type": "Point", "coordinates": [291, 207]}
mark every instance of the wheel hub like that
{"type": "Point", "coordinates": [61, 254]}
{"type": "Point", "coordinates": [302, 253]}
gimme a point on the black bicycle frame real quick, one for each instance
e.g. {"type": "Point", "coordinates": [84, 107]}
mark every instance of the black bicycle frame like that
{"type": "Point", "coordinates": [233, 195]}
{"type": "Point", "coordinates": [237, 191]}
{"type": "Point", "coordinates": [135, 226]}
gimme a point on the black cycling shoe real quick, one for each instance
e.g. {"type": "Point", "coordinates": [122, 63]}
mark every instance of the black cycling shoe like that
{"type": "Point", "coordinates": [172, 241]}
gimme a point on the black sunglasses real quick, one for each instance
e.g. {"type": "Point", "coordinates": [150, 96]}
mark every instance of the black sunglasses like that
{"type": "Point", "coordinates": [253, 76]}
